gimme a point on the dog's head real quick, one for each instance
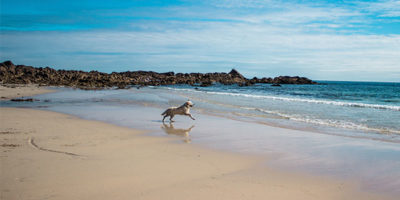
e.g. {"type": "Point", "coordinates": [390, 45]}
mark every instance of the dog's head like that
{"type": "Point", "coordinates": [189, 104]}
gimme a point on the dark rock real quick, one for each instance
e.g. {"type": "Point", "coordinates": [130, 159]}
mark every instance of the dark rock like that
{"type": "Point", "coordinates": [235, 73]}
{"type": "Point", "coordinates": [21, 74]}
{"type": "Point", "coordinates": [29, 100]}
{"type": "Point", "coordinates": [276, 85]}
{"type": "Point", "coordinates": [266, 80]}
{"type": "Point", "coordinates": [205, 84]}
{"type": "Point", "coordinates": [247, 83]}
{"type": "Point", "coordinates": [292, 80]}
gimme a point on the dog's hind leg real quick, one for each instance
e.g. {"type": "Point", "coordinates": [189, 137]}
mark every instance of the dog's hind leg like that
{"type": "Point", "coordinates": [170, 118]}
{"type": "Point", "coordinates": [164, 118]}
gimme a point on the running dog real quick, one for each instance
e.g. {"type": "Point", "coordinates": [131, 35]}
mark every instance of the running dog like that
{"type": "Point", "coordinates": [181, 110]}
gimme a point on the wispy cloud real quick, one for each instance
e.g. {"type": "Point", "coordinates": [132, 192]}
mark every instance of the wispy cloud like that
{"type": "Point", "coordinates": [383, 8]}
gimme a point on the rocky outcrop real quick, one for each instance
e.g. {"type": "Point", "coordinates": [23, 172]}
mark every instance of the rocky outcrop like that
{"type": "Point", "coordinates": [21, 74]}
{"type": "Point", "coordinates": [21, 99]}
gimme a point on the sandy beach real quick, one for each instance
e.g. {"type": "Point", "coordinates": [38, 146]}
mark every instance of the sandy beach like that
{"type": "Point", "coordinates": [48, 155]}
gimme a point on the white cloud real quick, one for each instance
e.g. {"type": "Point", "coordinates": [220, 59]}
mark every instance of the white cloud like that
{"type": "Point", "coordinates": [384, 8]}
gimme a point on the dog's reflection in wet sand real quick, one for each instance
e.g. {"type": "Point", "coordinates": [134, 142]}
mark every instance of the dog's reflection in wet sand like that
{"type": "Point", "coordinates": [171, 130]}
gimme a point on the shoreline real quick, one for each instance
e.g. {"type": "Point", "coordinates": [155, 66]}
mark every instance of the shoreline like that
{"type": "Point", "coordinates": [125, 158]}
{"type": "Point", "coordinates": [308, 129]}
{"type": "Point", "coordinates": [167, 169]}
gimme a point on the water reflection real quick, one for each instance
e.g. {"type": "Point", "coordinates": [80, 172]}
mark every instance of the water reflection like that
{"type": "Point", "coordinates": [171, 130]}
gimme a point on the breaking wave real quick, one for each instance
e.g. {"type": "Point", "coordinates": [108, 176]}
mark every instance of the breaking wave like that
{"type": "Point", "coordinates": [316, 101]}
{"type": "Point", "coordinates": [326, 122]}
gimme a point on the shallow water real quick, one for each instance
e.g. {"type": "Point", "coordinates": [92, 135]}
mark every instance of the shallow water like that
{"type": "Point", "coordinates": [227, 122]}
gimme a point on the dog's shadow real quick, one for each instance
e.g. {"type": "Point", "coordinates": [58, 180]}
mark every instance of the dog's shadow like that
{"type": "Point", "coordinates": [171, 130]}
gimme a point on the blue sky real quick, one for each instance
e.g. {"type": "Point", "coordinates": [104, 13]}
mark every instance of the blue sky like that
{"type": "Point", "coordinates": [323, 40]}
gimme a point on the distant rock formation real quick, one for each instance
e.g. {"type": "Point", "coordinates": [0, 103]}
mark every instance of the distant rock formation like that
{"type": "Point", "coordinates": [21, 74]}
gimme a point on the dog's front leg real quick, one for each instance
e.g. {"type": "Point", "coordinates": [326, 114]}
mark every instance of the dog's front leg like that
{"type": "Point", "coordinates": [188, 114]}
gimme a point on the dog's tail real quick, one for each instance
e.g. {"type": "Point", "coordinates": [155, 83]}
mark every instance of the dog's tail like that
{"type": "Point", "coordinates": [165, 112]}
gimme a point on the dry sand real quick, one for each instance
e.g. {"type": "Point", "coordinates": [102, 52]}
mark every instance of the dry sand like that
{"type": "Point", "coordinates": [48, 155]}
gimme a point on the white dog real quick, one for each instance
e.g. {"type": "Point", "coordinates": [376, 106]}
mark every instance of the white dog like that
{"type": "Point", "coordinates": [181, 110]}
